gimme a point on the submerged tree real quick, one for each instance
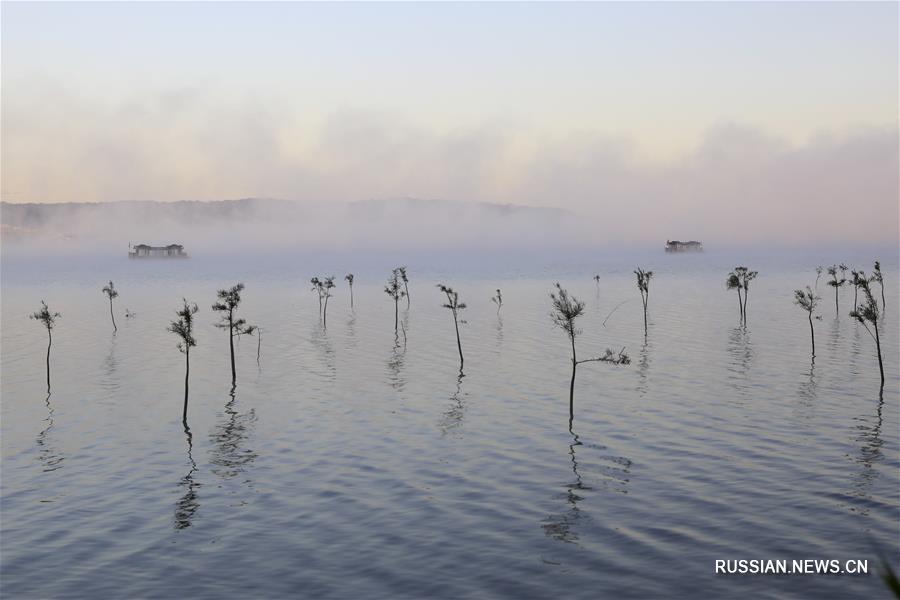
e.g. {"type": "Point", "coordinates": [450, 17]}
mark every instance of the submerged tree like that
{"type": "Point", "coordinates": [393, 289]}
{"type": "Point", "coordinates": [349, 278]}
{"type": "Point", "coordinates": [110, 291]}
{"type": "Point", "coordinates": [455, 306]}
{"type": "Point", "coordinates": [744, 276]}
{"type": "Point", "coordinates": [48, 320]}
{"type": "Point", "coordinates": [566, 309]}
{"type": "Point", "coordinates": [498, 300]}
{"type": "Point", "coordinates": [323, 287]}
{"type": "Point", "coordinates": [868, 313]}
{"type": "Point", "coordinates": [643, 283]}
{"type": "Point", "coordinates": [880, 279]}
{"type": "Point", "coordinates": [836, 284]}
{"type": "Point", "coordinates": [819, 270]}
{"type": "Point", "coordinates": [228, 302]}
{"type": "Point", "coordinates": [844, 268]}
{"type": "Point", "coordinates": [808, 301]}
{"type": "Point", "coordinates": [405, 279]}
{"type": "Point", "coordinates": [734, 283]}
{"type": "Point", "coordinates": [855, 280]}
{"type": "Point", "coordinates": [184, 329]}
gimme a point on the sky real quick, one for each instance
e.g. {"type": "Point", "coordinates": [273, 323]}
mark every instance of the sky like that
{"type": "Point", "coordinates": [764, 113]}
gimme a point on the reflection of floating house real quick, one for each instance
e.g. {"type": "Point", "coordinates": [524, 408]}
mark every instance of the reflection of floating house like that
{"type": "Point", "coordinates": [145, 251]}
{"type": "Point", "coordinates": [676, 246]}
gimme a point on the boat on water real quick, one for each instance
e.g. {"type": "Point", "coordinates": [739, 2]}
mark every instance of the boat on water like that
{"type": "Point", "coordinates": [677, 246]}
{"type": "Point", "coordinates": [147, 251]}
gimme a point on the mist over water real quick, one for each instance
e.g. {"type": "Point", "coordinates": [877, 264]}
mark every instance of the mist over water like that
{"type": "Point", "coordinates": [353, 462]}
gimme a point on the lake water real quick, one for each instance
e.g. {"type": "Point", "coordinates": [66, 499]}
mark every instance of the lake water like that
{"type": "Point", "coordinates": [350, 463]}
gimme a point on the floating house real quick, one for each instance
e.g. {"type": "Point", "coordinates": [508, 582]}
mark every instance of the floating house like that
{"type": "Point", "coordinates": [145, 251]}
{"type": "Point", "coordinates": [676, 246]}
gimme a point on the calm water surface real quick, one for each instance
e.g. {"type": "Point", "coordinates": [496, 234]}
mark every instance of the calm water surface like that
{"type": "Point", "coordinates": [350, 463]}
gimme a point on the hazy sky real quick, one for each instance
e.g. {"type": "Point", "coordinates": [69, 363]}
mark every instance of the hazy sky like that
{"type": "Point", "coordinates": [669, 106]}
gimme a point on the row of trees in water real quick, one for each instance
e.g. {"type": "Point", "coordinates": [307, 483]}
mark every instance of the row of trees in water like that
{"type": "Point", "coordinates": [566, 308]}
{"type": "Point", "coordinates": [867, 312]}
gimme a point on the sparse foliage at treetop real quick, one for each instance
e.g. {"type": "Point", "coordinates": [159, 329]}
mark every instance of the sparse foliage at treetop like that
{"type": "Point", "coordinates": [567, 308]}
{"type": "Point", "coordinates": [323, 288]}
{"type": "Point", "coordinates": [643, 283]}
{"type": "Point", "coordinates": [110, 291]}
{"type": "Point", "coordinates": [394, 289]}
{"type": "Point", "coordinates": [868, 314]}
{"type": "Point", "coordinates": [807, 300]}
{"type": "Point", "coordinates": [228, 302]}
{"type": "Point", "coordinates": [455, 306]}
{"type": "Point", "coordinates": [183, 327]}
{"type": "Point", "coordinates": [47, 318]}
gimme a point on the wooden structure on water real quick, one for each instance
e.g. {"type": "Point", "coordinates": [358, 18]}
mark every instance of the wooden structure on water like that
{"type": "Point", "coordinates": [146, 251]}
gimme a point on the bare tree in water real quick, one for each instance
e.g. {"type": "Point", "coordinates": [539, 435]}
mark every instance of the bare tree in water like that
{"type": "Point", "coordinates": [867, 313]}
{"type": "Point", "coordinates": [323, 287]}
{"type": "Point", "coordinates": [818, 275]}
{"type": "Point", "coordinates": [394, 290]}
{"type": "Point", "coordinates": [455, 306]}
{"type": "Point", "coordinates": [228, 302]}
{"type": "Point", "coordinates": [734, 283]}
{"type": "Point", "coordinates": [405, 279]}
{"type": "Point", "coordinates": [855, 280]}
{"type": "Point", "coordinates": [836, 284]}
{"type": "Point", "coordinates": [807, 300]}
{"type": "Point", "coordinates": [643, 283]}
{"type": "Point", "coordinates": [498, 300]}
{"type": "Point", "coordinates": [48, 320]}
{"type": "Point", "coordinates": [110, 291]}
{"type": "Point", "coordinates": [349, 278]}
{"type": "Point", "coordinates": [844, 268]}
{"type": "Point", "coordinates": [745, 276]}
{"type": "Point", "coordinates": [183, 327]}
{"type": "Point", "coordinates": [567, 308]}
{"type": "Point", "coordinates": [880, 279]}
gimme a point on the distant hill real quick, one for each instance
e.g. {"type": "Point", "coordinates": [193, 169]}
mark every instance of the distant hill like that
{"type": "Point", "coordinates": [274, 223]}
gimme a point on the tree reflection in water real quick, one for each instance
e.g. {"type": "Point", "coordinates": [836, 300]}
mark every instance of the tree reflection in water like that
{"type": "Point", "coordinates": [563, 526]}
{"type": "Point", "coordinates": [50, 457]}
{"type": "Point", "coordinates": [870, 453]}
{"type": "Point", "coordinates": [187, 505]}
{"type": "Point", "coordinates": [453, 416]}
{"type": "Point", "coordinates": [229, 455]}
{"type": "Point", "coordinates": [614, 475]}
{"type": "Point", "coordinates": [395, 364]}
{"type": "Point", "coordinates": [740, 350]}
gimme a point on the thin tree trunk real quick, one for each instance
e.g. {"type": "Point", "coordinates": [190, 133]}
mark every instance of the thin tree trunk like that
{"type": "Point", "coordinates": [572, 384]}
{"type": "Point", "coordinates": [855, 295]}
{"type": "Point", "coordinates": [740, 305]}
{"type": "Point", "coordinates": [396, 313]}
{"type": "Point", "coordinates": [878, 348]}
{"type": "Point", "coordinates": [325, 314]}
{"type": "Point", "coordinates": [187, 373]}
{"type": "Point", "coordinates": [644, 300]}
{"type": "Point", "coordinates": [458, 344]}
{"type": "Point", "coordinates": [881, 283]}
{"type": "Point", "coordinates": [812, 335]}
{"type": "Point", "coordinates": [258, 343]}
{"type": "Point", "coordinates": [112, 316]}
{"type": "Point", "coordinates": [49, 343]}
{"type": "Point", "coordinates": [406, 289]}
{"type": "Point", "coordinates": [231, 347]}
{"type": "Point", "coordinates": [837, 311]}
{"type": "Point", "coordinates": [746, 295]}
{"type": "Point", "coordinates": [351, 296]}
